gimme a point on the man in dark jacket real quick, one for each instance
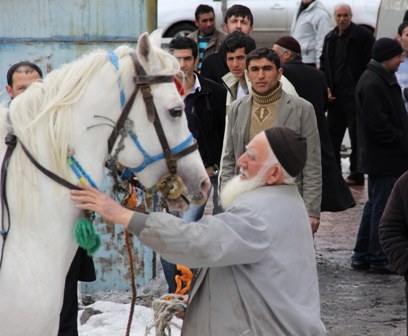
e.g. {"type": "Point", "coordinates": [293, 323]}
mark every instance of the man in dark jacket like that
{"type": "Point", "coordinates": [311, 85]}
{"type": "Point", "coordinates": [382, 124]}
{"type": "Point", "coordinates": [204, 102]}
{"type": "Point", "coordinates": [394, 230]}
{"type": "Point", "coordinates": [346, 52]}
{"type": "Point", "coordinates": [207, 37]}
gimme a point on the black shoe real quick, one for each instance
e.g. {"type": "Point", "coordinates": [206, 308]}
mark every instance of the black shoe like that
{"type": "Point", "coordinates": [382, 268]}
{"type": "Point", "coordinates": [354, 180]}
{"type": "Point", "coordinates": [360, 264]}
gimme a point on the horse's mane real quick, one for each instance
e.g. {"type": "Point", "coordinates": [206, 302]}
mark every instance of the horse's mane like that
{"type": "Point", "coordinates": [46, 105]}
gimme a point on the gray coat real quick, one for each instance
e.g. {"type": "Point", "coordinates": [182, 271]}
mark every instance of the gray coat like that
{"type": "Point", "coordinates": [293, 112]}
{"type": "Point", "coordinates": [259, 276]}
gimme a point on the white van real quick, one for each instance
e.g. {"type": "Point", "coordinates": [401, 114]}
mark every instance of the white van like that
{"type": "Point", "coordinates": [272, 18]}
{"type": "Point", "coordinates": [390, 14]}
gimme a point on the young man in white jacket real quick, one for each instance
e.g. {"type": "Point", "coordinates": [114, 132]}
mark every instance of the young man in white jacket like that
{"type": "Point", "coordinates": [310, 25]}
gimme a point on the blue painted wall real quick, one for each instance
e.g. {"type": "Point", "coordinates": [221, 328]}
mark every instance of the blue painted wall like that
{"type": "Point", "coordinates": [50, 33]}
{"type": "Point", "coordinates": [53, 32]}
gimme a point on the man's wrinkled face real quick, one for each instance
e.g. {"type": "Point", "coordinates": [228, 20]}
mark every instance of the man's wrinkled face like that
{"type": "Point", "coordinates": [238, 23]}
{"type": "Point", "coordinates": [264, 75]}
{"type": "Point", "coordinates": [21, 81]}
{"type": "Point", "coordinates": [283, 53]}
{"type": "Point", "coordinates": [254, 167]}
{"type": "Point", "coordinates": [206, 23]}
{"type": "Point", "coordinates": [254, 158]}
{"type": "Point", "coordinates": [236, 62]}
{"type": "Point", "coordinates": [343, 16]}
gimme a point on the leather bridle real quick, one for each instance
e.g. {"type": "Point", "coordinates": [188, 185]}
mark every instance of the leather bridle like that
{"type": "Point", "coordinates": [170, 185]}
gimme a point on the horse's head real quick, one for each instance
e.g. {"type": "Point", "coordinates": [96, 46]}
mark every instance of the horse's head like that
{"type": "Point", "coordinates": [160, 147]}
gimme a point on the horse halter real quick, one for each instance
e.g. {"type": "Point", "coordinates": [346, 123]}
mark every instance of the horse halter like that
{"type": "Point", "coordinates": [170, 185]}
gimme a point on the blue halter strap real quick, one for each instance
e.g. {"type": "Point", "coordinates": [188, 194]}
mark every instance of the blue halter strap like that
{"type": "Point", "coordinates": [147, 158]}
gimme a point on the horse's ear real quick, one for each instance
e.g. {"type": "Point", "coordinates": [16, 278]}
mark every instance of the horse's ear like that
{"type": "Point", "coordinates": [156, 37]}
{"type": "Point", "coordinates": [146, 54]}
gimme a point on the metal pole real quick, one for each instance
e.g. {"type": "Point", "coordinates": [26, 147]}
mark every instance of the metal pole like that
{"type": "Point", "coordinates": [151, 17]}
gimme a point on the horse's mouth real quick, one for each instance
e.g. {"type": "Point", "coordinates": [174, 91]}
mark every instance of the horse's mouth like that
{"type": "Point", "coordinates": [182, 203]}
{"type": "Point", "coordinates": [179, 204]}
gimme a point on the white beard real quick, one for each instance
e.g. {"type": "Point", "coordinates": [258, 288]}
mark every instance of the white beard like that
{"type": "Point", "coordinates": [237, 186]}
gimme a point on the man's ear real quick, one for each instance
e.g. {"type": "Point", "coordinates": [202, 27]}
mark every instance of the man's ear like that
{"type": "Point", "coordinates": [9, 90]}
{"type": "Point", "coordinates": [287, 56]}
{"type": "Point", "coordinates": [196, 23]}
{"type": "Point", "coordinates": [398, 38]}
{"type": "Point", "coordinates": [274, 175]}
{"type": "Point", "coordinates": [280, 73]}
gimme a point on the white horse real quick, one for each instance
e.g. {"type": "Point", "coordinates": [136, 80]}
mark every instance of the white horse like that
{"type": "Point", "coordinates": [69, 112]}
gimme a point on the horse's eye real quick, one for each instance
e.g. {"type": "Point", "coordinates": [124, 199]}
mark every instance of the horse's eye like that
{"type": "Point", "coordinates": [176, 112]}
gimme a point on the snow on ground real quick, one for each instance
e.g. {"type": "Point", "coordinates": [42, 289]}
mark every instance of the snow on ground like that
{"type": "Point", "coordinates": [114, 307]}
{"type": "Point", "coordinates": [114, 318]}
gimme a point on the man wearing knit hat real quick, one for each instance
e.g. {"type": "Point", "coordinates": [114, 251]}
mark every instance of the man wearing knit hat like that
{"type": "Point", "coordinates": [311, 85]}
{"type": "Point", "coordinates": [382, 129]}
{"type": "Point", "coordinates": [346, 52]}
{"type": "Point", "coordinates": [266, 106]}
{"type": "Point", "coordinates": [258, 271]}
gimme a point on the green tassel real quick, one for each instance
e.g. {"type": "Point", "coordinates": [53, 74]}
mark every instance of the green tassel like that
{"type": "Point", "coordinates": [86, 237]}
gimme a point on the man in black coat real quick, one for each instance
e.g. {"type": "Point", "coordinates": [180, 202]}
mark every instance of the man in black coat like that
{"type": "Point", "coordinates": [346, 52]}
{"type": "Point", "coordinates": [382, 124]}
{"type": "Point", "coordinates": [204, 102]}
{"type": "Point", "coordinates": [311, 85]}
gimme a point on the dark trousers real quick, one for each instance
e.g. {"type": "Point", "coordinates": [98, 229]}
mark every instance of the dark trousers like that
{"type": "Point", "coordinates": [69, 312]}
{"type": "Point", "coordinates": [368, 246]}
{"type": "Point", "coordinates": [340, 116]}
{"type": "Point", "coordinates": [81, 269]}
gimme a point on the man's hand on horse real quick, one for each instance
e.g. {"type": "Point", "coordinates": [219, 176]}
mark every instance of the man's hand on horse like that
{"type": "Point", "coordinates": [94, 200]}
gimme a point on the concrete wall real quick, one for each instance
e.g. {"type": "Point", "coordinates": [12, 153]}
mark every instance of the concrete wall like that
{"type": "Point", "coordinates": [53, 32]}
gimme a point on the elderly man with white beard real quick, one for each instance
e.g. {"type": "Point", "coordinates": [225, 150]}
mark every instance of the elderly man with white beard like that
{"type": "Point", "coordinates": [257, 270]}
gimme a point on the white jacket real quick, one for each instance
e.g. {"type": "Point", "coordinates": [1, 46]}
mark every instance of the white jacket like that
{"type": "Point", "coordinates": [309, 29]}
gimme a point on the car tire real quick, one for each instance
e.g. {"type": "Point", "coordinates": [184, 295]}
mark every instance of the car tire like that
{"type": "Point", "coordinates": [183, 28]}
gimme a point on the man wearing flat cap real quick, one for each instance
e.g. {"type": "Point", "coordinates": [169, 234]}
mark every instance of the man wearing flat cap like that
{"type": "Point", "coordinates": [258, 270]}
{"type": "Point", "coordinates": [382, 124]}
{"type": "Point", "coordinates": [311, 85]}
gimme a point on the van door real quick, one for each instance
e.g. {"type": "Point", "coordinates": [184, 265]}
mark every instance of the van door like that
{"type": "Point", "coordinates": [390, 15]}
